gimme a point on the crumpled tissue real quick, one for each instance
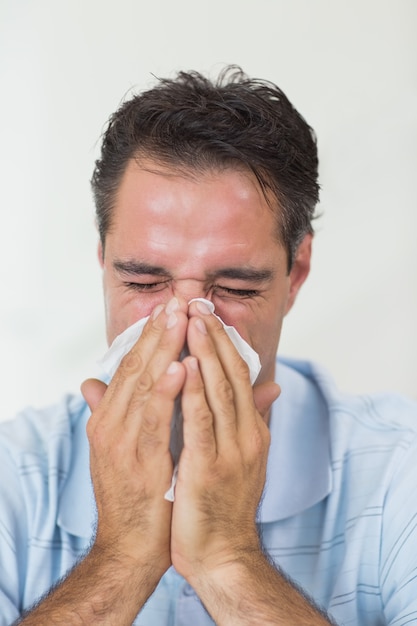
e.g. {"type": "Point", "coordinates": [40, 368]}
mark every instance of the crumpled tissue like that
{"type": "Point", "coordinates": [123, 343]}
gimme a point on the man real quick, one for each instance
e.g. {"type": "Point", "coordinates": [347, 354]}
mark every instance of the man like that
{"type": "Point", "coordinates": [208, 191]}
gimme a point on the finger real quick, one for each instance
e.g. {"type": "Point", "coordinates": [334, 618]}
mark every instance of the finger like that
{"type": "Point", "coordinates": [163, 336]}
{"type": "Point", "coordinates": [93, 391]}
{"type": "Point", "coordinates": [264, 395]}
{"type": "Point", "coordinates": [154, 427]}
{"type": "Point", "coordinates": [160, 343]}
{"type": "Point", "coordinates": [162, 320]}
{"type": "Point", "coordinates": [199, 436]}
{"type": "Point", "coordinates": [232, 363]}
{"type": "Point", "coordinates": [217, 388]}
{"type": "Point", "coordinates": [146, 385]}
{"type": "Point", "coordinates": [234, 367]}
{"type": "Point", "coordinates": [247, 417]}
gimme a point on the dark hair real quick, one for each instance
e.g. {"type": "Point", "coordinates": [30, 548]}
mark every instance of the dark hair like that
{"type": "Point", "coordinates": [192, 123]}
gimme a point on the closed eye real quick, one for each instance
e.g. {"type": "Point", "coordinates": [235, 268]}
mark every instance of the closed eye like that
{"type": "Point", "coordinates": [143, 287]}
{"type": "Point", "coordinates": [239, 293]}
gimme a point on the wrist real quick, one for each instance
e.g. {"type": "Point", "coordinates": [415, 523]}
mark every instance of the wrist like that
{"type": "Point", "coordinates": [142, 567]}
{"type": "Point", "coordinates": [219, 568]}
{"type": "Point", "coordinates": [250, 590]}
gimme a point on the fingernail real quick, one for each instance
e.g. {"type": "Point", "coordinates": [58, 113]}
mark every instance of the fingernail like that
{"type": "Point", "coordinates": [172, 306]}
{"type": "Point", "coordinates": [193, 363]}
{"type": "Point", "coordinates": [173, 368]}
{"type": "Point", "coordinates": [172, 320]}
{"type": "Point", "coordinates": [201, 326]}
{"type": "Point", "coordinates": [157, 310]}
{"type": "Point", "coordinates": [203, 308]}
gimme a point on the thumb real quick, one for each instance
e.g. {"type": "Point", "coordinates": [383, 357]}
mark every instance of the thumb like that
{"type": "Point", "coordinates": [93, 390]}
{"type": "Point", "coordinates": [264, 395]}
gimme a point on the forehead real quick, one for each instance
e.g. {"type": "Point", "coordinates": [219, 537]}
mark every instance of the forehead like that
{"type": "Point", "coordinates": [158, 207]}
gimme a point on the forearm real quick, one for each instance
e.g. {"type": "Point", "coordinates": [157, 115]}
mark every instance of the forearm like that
{"type": "Point", "coordinates": [101, 589]}
{"type": "Point", "coordinates": [251, 592]}
{"type": "Point", "coordinates": [131, 469]}
{"type": "Point", "coordinates": [215, 544]}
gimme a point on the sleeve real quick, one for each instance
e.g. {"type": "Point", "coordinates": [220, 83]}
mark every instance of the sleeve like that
{"type": "Point", "coordinates": [13, 539]}
{"type": "Point", "coordinates": [398, 566]}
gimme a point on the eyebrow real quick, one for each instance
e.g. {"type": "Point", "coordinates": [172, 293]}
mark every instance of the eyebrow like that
{"type": "Point", "coordinates": [248, 273]}
{"type": "Point", "coordinates": [252, 274]}
{"type": "Point", "coordinates": [139, 268]}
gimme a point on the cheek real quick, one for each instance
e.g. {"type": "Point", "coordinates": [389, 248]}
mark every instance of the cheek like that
{"type": "Point", "coordinates": [266, 336]}
{"type": "Point", "coordinates": [137, 307]}
{"type": "Point", "coordinates": [123, 310]}
{"type": "Point", "coordinates": [242, 315]}
{"type": "Point", "coordinates": [261, 328]}
{"type": "Point", "coordinates": [232, 313]}
{"type": "Point", "coordinates": [265, 343]}
{"type": "Point", "coordinates": [255, 322]}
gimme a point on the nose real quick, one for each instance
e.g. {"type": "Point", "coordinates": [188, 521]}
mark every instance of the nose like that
{"type": "Point", "coordinates": [189, 289]}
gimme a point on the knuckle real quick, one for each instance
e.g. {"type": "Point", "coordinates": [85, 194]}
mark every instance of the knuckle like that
{"type": "Point", "coordinates": [204, 439]}
{"type": "Point", "coordinates": [260, 440]}
{"type": "Point", "coordinates": [97, 434]}
{"type": "Point", "coordinates": [144, 383]}
{"type": "Point", "coordinates": [150, 436]}
{"type": "Point", "coordinates": [148, 441]}
{"type": "Point", "coordinates": [150, 423]}
{"type": "Point", "coordinates": [241, 368]}
{"type": "Point", "coordinates": [224, 391]}
{"type": "Point", "coordinates": [141, 393]}
{"type": "Point", "coordinates": [203, 434]}
{"type": "Point", "coordinates": [203, 417]}
{"type": "Point", "coordinates": [131, 362]}
{"type": "Point", "coordinates": [136, 404]}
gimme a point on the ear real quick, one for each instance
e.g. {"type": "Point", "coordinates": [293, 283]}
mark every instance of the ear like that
{"type": "Point", "coordinates": [100, 254]}
{"type": "Point", "coordinates": [300, 269]}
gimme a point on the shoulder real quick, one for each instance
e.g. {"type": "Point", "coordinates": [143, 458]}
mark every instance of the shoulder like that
{"type": "Point", "coordinates": [38, 450]}
{"type": "Point", "coordinates": [376, 431]}
{"type": "Point", "coordinates": [379, 412]}
{"type": "Point", "coordinates": [39, 433]}
{"type": "Point", "coordinates": [367, 535]}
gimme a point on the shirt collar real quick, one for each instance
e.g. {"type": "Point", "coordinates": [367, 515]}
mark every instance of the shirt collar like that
{"type": "Point", "coordinates": [298, 470]}
{"type": "Point", "coordinates": [77, 510]}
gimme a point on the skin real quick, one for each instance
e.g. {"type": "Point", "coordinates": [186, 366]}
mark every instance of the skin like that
{"type": "Point", "coordinates": [193, 228]}
{"type": "Point", "coordinates": [175, 237]}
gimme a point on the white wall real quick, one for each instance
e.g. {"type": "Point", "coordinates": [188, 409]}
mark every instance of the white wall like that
{"type": "Point", "coordinates": [349, 67]}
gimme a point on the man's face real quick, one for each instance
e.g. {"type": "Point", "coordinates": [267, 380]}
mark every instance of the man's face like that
{"type": "Point", "coordinates": [210, 235]}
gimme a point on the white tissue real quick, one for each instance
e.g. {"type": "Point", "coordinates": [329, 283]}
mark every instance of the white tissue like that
{"type": "Point", "coordinates": [126, 340]}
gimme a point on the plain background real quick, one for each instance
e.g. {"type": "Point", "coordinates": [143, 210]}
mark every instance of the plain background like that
{"type": "Point", "coordinates": [349, 67]}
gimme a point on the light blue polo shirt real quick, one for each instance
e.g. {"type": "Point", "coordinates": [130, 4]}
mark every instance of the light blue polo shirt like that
{"type": "Point", "coordinates": [339, 512]}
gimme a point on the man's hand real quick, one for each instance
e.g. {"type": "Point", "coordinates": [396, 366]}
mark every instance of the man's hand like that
{"type": "Point", "coordinates": [129, 433]}
{"type": "Point", "coordinates": [131, 468]}
{"type": "Point", "coordinates": [214, 539]}
{"type": "Point", "coordinates": [223, 463]}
